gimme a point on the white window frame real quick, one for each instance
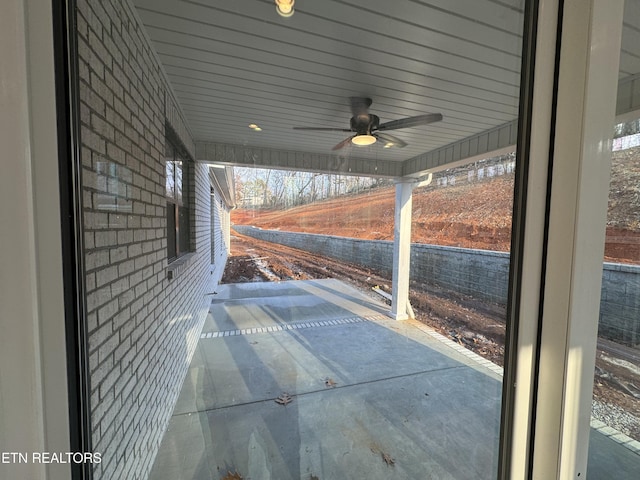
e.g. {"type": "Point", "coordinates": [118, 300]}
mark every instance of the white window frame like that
{"type": "Point", "coordinates": [558, 417]}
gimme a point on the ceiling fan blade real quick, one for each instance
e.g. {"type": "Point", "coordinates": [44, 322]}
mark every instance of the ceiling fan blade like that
{"type": "Point", "coordinates": [411, 121]}
{"type": "Point", "coordinates": [385, 137]}
{"type": "Point", "coordinates": [319, 129]}
{"type": "Point", "coordinates": [360, 105]}
{"type": "Point", "coordinates": [343, 143]}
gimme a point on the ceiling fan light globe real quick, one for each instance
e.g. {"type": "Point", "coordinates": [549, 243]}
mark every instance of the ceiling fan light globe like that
{"type": "Point", "coordinates": [363, 140]}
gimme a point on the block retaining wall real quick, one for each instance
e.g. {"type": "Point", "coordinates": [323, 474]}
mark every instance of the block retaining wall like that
{"type": "Point", "coordinates": [482, 274]}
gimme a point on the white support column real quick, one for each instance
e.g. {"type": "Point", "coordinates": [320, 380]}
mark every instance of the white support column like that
{"type": "Point", "coordinates": [401, 250]}
{"type": "Point", "coordinates": [226, 214]}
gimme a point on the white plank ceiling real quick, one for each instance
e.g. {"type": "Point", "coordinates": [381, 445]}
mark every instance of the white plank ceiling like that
{"type": "Point", "coordinates": [236, 62]}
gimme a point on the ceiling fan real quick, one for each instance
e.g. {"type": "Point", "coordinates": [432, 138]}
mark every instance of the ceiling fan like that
{"type": "Point", "coordinates": [368, 129]}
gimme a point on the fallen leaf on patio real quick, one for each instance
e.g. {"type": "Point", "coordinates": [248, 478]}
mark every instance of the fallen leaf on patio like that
{"type": "Point", "coordinates": [284, 399]}
{"type": "Point", "coordinates": [387, 459]}
{"type": "Point", "coordinates": [329, 382]}
{"type": "Point", "coordinates": [233, 476]}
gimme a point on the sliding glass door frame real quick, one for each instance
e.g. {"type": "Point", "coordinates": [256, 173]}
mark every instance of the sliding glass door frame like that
{"type": "Point", "coordinates": [569, 151]}
{"type": "Point", "coordinates": [569, 63]}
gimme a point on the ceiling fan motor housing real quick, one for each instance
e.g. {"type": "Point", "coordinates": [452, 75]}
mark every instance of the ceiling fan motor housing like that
{"type": "Point", "coordinates": [365, 123]}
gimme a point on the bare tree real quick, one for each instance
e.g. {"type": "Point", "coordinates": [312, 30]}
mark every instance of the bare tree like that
{"type": "Point", "coordinates": [264, 188]}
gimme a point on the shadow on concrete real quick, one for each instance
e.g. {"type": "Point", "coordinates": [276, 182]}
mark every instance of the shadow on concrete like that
{"type": "Point", "coordinates": [372, 398]}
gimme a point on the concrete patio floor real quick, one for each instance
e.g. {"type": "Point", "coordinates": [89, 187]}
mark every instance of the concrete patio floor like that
{"type": "Point", "coordinates": [372, 398]}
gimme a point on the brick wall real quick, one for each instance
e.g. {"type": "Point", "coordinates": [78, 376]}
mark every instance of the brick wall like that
{"type": "Point", "coordinates": [482, 274]}
{"type": "Point", "coordinates": [142, 326]}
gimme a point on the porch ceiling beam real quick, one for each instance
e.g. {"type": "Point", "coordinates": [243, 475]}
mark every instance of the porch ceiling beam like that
{"type": "Point", "coordinates": [502, 139]}
{"type": "Point", "coordinates": [246, 156]}
{"type": "Point", "coordinates": [628, 99]}
{"type": "Point", "coordinates": [492, 142]}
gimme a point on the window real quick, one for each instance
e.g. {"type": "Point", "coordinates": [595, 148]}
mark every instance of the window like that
{"type": "Point", "coordinates": [176, 190]}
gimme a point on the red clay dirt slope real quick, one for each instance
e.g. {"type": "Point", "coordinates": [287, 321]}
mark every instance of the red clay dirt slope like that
{"type": "Point", "coordinates": [443, 216]}
{"type": "Point", "coordinates": [470, 215]}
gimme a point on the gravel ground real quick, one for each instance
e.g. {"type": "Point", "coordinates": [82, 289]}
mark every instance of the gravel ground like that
{"type": "Point", "coordinates": [616, 417]}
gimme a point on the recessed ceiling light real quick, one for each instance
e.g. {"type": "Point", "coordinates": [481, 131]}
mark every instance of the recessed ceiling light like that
{"type": "Point", "coordinates": [285, 7]}
{"type": "Point", "coordinates": [257, 129]}
{"type": "Point", "coordinates": [253, 125]}
{"type": "Point", "coordinates": [388, 145]}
